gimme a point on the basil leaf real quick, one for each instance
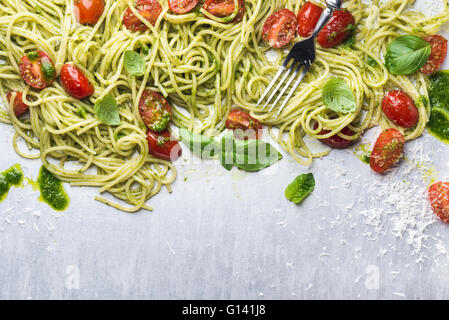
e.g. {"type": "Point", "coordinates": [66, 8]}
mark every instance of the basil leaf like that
{"type": "Point", "coordinates": [200, 145]}
{"type": "Point", "coordinates": [254, 155]}
{"type": "Point", "coordinates": [300, 188]}
{"type": "Point", "coordinates": [338, 97]}
{"type": "Point", "coordinates": [134, 63]}
{"type": "Point", "coordinates": [106, 110]}
{"type": "Point", "coordinates": [227, 151]}
{"type": "Point", "coordinates": [407, 54]}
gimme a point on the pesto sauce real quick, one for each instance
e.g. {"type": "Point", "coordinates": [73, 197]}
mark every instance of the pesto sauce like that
{"type": "Point", "coordinates": [11, 177]}
{"type": "Point", "coordinates": [438, 124]}
{"type": "Point", "coordinates": [51, 190]}
{"type": "Point", "coordinates": [363, 152]}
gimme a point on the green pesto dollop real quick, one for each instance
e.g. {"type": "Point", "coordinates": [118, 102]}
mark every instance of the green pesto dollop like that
{"type": "Point", "coordinates": [438, 124]}
{"type": "Point", "coordinates": [11, 177]}
{"type": "Point", "coordinates": [52, 191]}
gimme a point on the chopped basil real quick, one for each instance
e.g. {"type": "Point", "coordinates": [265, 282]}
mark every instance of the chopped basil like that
{"type": "Point", "coordinates": [338, 97]}
{"type": "Point", "coordinates": [32, 55]}
{"type": "Point", "coordinates": [371, 62]}
{"type": "Point", "coordinates": [300, 188]}
{"type": "Point", "coordinates": [47, 69]}
{"type": "Point", "coordinates": [162, 123]}
{"type": "Point", "coordinates": [106, 110]}
{"type": "Point", "coordinates": [407, 54]}
{"type": "Point", "coordinates": [134, 63]}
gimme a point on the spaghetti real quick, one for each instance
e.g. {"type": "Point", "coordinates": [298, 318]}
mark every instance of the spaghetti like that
{"type": "Point", "coordinates": [205, 66]}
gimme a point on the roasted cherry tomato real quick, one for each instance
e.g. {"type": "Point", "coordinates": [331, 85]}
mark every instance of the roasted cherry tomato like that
{"type": "Point", "coordinates": [387, 150]}
{"type": "Point", "coordinates": [340, 26]}
{"type": "Point", "coordinates": [163, 145]}
{"type": "Point", "coordinates": [182, 6]}
{"type": "Point", "coordinates": [308, 18]}
{"type": "Point", "coordinates": [439, 52]}
{"type": "Point", "coordinates": [37, 69]}
{"type": "Point", "coordinates": [400, 109]}
{"type": "Point", "coordinates": [149, 9]}
{"type": "Point", "coordinates": [75, 82]}
{"type": "Point", "coordinates": [439, 200]}
{"type": "Point", "coordinates": [245, 127]}
{"type": "Point", "coordinates": [18, 106]}
{"type": "Point", "coordinates": [280, 28]}
{"type": "Point", "coordinates": [155, 110]}
{"type": "Point", "coordinates": [88, 11]}
{"type": "Point", "coordinates": [225, 8]}
{"type": "Point", "coordinates": [336, 141]}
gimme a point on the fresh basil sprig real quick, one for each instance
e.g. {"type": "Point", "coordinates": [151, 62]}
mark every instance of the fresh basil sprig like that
{"type": "Point", "coordinates": [338, 96]}
{"type": "Point", "coordinates": [407, 54]}
{"type": "Point", "coordinates": [300, 188]}
{"type": "Point", "coordinates": [201, 146]}
{"type": "Point", "coordinates": [106, 110]}
{"type": "Point", "coordinates": [247, 155]}
{"type": "Point", "coordinates": [134, 63]}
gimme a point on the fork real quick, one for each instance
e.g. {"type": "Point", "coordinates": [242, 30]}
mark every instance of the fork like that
{"type": "Point", "coordinates": [301, 56]}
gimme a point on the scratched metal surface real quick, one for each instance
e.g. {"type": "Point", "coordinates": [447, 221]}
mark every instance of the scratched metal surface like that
{"type": "Point", "coordinates": [218, 236]}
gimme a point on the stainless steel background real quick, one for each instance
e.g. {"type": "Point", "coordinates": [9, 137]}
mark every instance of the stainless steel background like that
{"type": "Point", "coordinates": [220, 235]}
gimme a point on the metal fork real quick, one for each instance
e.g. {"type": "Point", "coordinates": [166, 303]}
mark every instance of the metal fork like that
{"type": "Point", "coordinates": [301, 56]}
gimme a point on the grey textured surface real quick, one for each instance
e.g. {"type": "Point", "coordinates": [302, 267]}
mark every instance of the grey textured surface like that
{"type": "Point", "coordinates": [220, 235]}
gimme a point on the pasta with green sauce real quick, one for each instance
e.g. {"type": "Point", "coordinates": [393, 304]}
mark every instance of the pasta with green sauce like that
{"type": "Point", "coordinates": [205, 66]}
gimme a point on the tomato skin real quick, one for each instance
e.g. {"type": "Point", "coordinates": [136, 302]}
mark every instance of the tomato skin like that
{"type": "Point", "coordinates": [155, 110]}
{"type": "Point", "coordinates": [280, 28]}
{"type": "Point", "coordinates": [224, 8]}
{"type": "Point", "coordinates": [438, 55]}
{"type": "Point", "coordinates": [182, 6]}
{"type": "Point", "coordinates": [439, 200]}
{"type": "Point", "coordinates": [336, 141]}
{"type": "Point", "coordinates": [247, 127]}
{"type": "Point", "coordinates": [387, 151]}
{"type": "Point", "coordinates": [400, 109]}
{"type": "Point", "coordinates": [149, 9]}
{"type": "Point", "coordinates": [337, 30]}
{"type": "Point", "coordinates": [308, 17]}
{"type": "Point", "coordinates": [88, 11]}
{"type": "Point", "coordinates": [75, 82]}
{"type": "Point", "coordinates": [31, 70]}
{"type": "Point", "coordinates": [163, 145]}
{"type": "Point", "coordinates": [18, 106]}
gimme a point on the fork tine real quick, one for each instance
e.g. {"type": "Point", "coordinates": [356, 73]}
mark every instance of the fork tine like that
{"type": "Point", "coordinates": [295, 86]}
{"type": "Point", "coordinates": [279, 85]}
{"type": "Point", "coordinates": [272, 83]}
{"type": "Point", "coordinates": [287, 85]}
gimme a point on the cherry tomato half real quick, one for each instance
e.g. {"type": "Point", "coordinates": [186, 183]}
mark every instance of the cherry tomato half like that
{"type": "Point", "coordinates": [155, 110]}
{"type": "Point", "coordinates": [149, 9]}
{"type": "Point", "coordinates": [337, 30]}
{"type": "Point", "coordinates": [37, 69]}
{"type": "Point", "coordinates": [280, 28]}
{"type": "Point", "coordinates": [439, 200]}
{"type": "Point", "coordinates": [387, 150]}
{"type": "Point", "coordinates": [75, 82]}
{"type": "Point", "coordinates": [18, 106]}
{"type": "Point", "coordinates": [88, 11]}
{"type": "Point", "coordinates": [336, 141]}
{"type": "Point", "coordinates": [308, 17]}
{"type": "Point", "coordinates": [225, 8]}
{"type": "Point", "coordinates": [182, 6]}
{"type": "Point", "coordinates": [400, 109]}
{"type": "Point", "coordinates": [245, 127]}
{"type": "Point", "coordinates": [163, 145]}
{"type": "Point", "coordinates": [439, 52]}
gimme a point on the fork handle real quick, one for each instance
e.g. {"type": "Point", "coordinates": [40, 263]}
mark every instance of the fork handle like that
{"type": "Point", "coordinates": [325, 17]}
{"type": "Point", "coordinates": [332, 5]}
